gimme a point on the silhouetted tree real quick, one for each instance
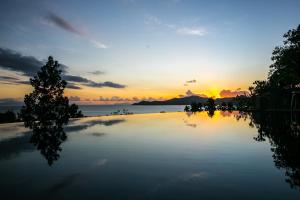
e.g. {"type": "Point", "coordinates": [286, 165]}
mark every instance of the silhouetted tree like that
{"type": "Point", "coordinates": [251, 88]}
{"type": "Point", "coordinates": [223, 106]}
{"type": "Point", "coordinates": [46, 110]}
{"type": "Point", "coordinates": [211, 104]}
{"type": "Point", "coordinates": [285, 71]}
{"type": "Point", "coordinates": [284, 75]}
{"type": "Point", "coordinates": [194, 107]}
{"type": "Point", "coordinates": [46, 102]}
{"type": "Point", "coordinates": [243, 102]}
{"type": "Point", "coordinates": [8, 117]}
{"type": "Point", "coordinates": [230, 106]}
{"type": "Point", "coordinates": [74, 111]}
{"type": "Point", "coordinates": [260, 87]}
{"type": "Point", "coordinates": [200, 106]}
{"type": "Point", "coordinates": [187, 108]}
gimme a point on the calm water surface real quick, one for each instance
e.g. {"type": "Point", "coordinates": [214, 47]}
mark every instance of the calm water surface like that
{"type": "Point", "coordinates": [100, 110]}
{"type": "Point", "coordinates": [157, 156]}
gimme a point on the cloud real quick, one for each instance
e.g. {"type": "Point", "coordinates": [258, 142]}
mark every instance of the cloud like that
{"type": "Point", "coordinates": [8, 78]}
{"type": "Point", "coordinates": [29, 66]}
{"type": "Point", "coordinates": [105, 84]}
{"type": "Point", "coordinates": [73, 86]}
{"type": "Point", "coordinates": [126, 100]}
{"type": "Point", "coordinates": [23, 82]}
{"type": "Point", "coordinates": [14, 61]}
{"type": "Point", "coordinates": [229, 93]}
{"type": "Point", "coordinates": [62, 23]}
{"type": "Point", "coordinates": [114, 98]}
{"type": "Point", "coordinates": [77, 79]}
{"type": "Point", "coordinates": [97, 72]}
{"type": "Point", "coordinates": [16, 81]}
{"type": "Point", "coordinates": [12, 80]}
{"type": "Point", "coordinates": [90, 83]}
{"type": "Point", "coordinates": [188, 31]}
{"type": "Point", "coordinates": [98, 44]}
{"type": "Point", "coordinates": [74, 98]}
{"type": "Point", "coordinates": [196, 31]}
{"type": "Point", "coordinates": [190, 93]}
{"type": "Point", "coordinates": [191, 81]}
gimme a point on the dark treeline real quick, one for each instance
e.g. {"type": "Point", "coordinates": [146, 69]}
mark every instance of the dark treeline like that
{"type": "Point", "coordinates": [211, 105]}
{"type": "Point", "coordinates": [8, 117]}
{"type": "Point", "coordinates": [195, 107]}
{"type": "Point", "coordinates": [281, 89]}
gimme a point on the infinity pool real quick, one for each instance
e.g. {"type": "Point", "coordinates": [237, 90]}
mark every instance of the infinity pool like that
{"type": "Point", "coordinates": [219, 155]}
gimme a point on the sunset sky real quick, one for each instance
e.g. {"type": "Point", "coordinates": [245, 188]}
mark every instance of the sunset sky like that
{"type": "Point", "coordinates": [128, 50]}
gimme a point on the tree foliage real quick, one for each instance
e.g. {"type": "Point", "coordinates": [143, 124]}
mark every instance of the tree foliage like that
{"type": "Point", "coordinates": [8, 117]}
{"type": "Point", "coordinates": [283, 78]}
{"type": "Point", "coordinates": [285, 70]}
{"type": "Point", "coordinates": [46, 102]}
{"type": "Point", "coordinates": [196, 107]}
{"type": "Point", "coordinates": [211, 104]}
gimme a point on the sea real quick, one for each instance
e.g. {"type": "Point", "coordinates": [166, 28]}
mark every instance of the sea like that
{"type": "Point", "coordinates": [102, 110]}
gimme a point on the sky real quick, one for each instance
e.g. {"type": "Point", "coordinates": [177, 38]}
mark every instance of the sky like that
{"type": "Point", "coordinates": [124, 51]}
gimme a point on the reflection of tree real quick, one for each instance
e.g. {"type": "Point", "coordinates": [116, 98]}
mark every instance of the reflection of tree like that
{"type": "Point", "coordinates": [47, 137]}
{"type": "Point", "coordinates": [211, 113]}
{"type": "Point", "coordinates": [242, 115]}
{"type": "Point", "coordinates": [283, 132]}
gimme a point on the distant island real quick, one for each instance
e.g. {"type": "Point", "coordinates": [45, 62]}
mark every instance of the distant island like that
{"type": "Point", "coordinates": [186, 101]}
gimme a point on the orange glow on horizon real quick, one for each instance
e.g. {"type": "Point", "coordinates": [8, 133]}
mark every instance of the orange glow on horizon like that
{"type": "Point", "coordinates": [129, 95]}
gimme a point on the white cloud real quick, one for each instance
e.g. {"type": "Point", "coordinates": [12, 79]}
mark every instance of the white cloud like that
{"type": "Point", "coordinates": [196, 31]}
{"type": "Point", "coordinates": [185, 30]}
{"type": "Point", "coordinates": [98, 44]}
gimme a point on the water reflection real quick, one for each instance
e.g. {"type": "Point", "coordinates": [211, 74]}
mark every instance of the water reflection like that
{"type": "Point", "coordinates": [211, 113]}
{"type": "Point", "coordinates": [12, 147]}
{"type": "Point", "coordinates": [283, 131]}
{"type": "Point", "coordinates": [48, 136]}
{"type": "Point", "coordinates": [156, 156]}
{"type": "Point", "coordinates": [280, 129]}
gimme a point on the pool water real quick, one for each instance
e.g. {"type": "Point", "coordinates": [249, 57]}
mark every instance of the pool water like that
{"type": "Point", "coordinates": [224, 155]}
